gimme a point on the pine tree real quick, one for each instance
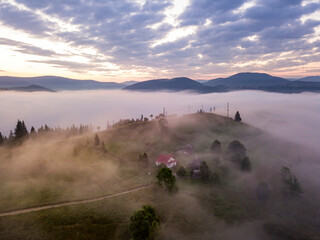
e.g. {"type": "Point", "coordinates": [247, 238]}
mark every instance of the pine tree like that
{"type": "Point", "coordinates": [20, 130]}
{"type": "Point", "coordinates": [237, 117]}
{"type": "Point", "coordinates": [291, 185]}
{"type": "Point", "coordinates": [11, 136]}
{"type": "Point", "coordinates": [24, 129]}
{"type": "Point", "coordinates": [216, 147]}
{"type": "Point", "coordinates": [1, 139]}
{"type": "Point", "coordinates": [96, 140]}
{"type": "Point", "coordinates": [32, 131]}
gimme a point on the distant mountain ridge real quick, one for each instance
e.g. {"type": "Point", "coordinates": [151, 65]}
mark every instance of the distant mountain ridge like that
{"type": "Point", "coordinates": [239, 81]}
{"type": "Point", "coordinates": [247, 80]}
{"type": "Point", "coordinates": [30, 88]}
{"type": "Point", "coordinates": [58, 83]}
{"type": "Point", "coordinates": [174, 84]}
{"type": "Point", "coordinates": [310, 79]}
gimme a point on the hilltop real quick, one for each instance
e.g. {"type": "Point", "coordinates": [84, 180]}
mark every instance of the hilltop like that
{"type": "Point", "coordinates": [174, 84]}
{"type": "Point", "coordinates": [240, 81]}
{"type": "Point", "coordinates": [51, 169]}
{"type": "Point", "coordinates": [57, 83]}
{"type": "Point", "coordinates": [30, 88]}
{"type": "Point", "coordinates": [247, 80]}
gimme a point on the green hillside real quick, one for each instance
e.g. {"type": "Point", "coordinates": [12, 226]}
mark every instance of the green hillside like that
{"type": "Point", "coordinates": [230, 203]}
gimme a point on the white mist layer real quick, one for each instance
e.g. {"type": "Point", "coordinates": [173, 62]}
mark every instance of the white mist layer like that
{"type": "Point", "coordinates": [294, 117]}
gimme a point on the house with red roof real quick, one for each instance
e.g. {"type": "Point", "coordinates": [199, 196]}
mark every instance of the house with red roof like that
{"type": "Point", "coordinates": [168, 160]}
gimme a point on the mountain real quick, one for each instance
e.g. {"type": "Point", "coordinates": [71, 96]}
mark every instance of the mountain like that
{"type": "Point", "coordinates": [174, 84]}
{"type": "Point", "coordinates": [240, 81]}
{"type": "Point", "coordinates": [201, 81]}
{"type": "Point", "coordinates": [294, 87]}
{"type": "Point", "coordinates": [247, 81]}
{"type": "Point", "coordinates": [57, 83]}
{"type": "Point", "coordinates": [129, 82]}
{"type": "Point", "coordinates": [310, 79]}
{"type": "Point", "coordinates": [31, 88]}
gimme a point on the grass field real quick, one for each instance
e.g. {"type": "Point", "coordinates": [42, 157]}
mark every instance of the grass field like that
{"type": "Point", "coordinates": [53, 170]}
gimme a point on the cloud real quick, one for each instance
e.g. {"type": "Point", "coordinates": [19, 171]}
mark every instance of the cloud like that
{"type": "Point", "coordinates": [23, 20]}
{"type": "Point", "coordinates": [74, 66]}
{"type": "Point", "coordinates": [26, 48]}
{"type": "Point", "coordinates": [125, 33]}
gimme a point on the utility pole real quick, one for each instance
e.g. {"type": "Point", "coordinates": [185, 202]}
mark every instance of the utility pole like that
{"type": "Point", "coordinates": [189, 109]}
{"type": "Point", "coordinates": [164, 111]}
{"type": "Point", "coordinates": [227, 109]}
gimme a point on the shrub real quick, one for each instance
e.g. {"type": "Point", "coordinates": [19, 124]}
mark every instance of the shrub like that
{"type": "Point", "coordinates": [245, 164]}
{"type": "Point", "coordinates": [216, 147]}
{"type": "Point", "coordinates": [144, 223]}
{"type": "Point", "coordinates": [236, 147]}
{"type": "Point", "coordinates": [166, 177]}
{"type": "Point", "coordinates": [181, 172]}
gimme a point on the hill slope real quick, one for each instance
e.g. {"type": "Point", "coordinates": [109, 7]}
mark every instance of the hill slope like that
{"type": "Point", "coordinates": [294, 87]}
{"type": "Point", "coordinates": [58, 83]}
{"type": "Point", "coordinates": [247, 80]}
{"type": "Point", "coordinates": [31, 88]}
{"type": "Point", "coordinates": [174, 84]}
{"type": "Point", "coordinates": [74, 170]}
{"type": "Point", "coordinates": [310, 79]}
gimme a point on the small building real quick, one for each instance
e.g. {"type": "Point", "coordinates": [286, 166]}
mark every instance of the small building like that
{"type": "Point", "coordinates": [187, 149]}
{"type": "Point", "coordinates": [168, 160]}
{"type": "Point", "coordinates": [194, 166]}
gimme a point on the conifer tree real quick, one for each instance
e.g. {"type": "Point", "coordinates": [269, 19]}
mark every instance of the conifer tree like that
{"type": "Point", "coordinates": [291, 185]}
{"type": "Point", "coordinates": [24, 129]}
{"type": "Point", "coordinates": [20, 130]}
{"type": "Point", "coordinates": [11, 137]}
{"type": "Point", "coordinates": [96, 140]}
{"type": "Point", "coordinates": [216, 147]}
{"type": "Point", "coordinates": [237, 117]}
{"type": "Point", "coordinates": [32, 131]}
{"type": "Point", "coordinates": [1, 139]}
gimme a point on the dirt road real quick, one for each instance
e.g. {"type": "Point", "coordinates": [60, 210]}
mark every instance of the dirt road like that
{"type": "Point", "coordinates": [34, 209]}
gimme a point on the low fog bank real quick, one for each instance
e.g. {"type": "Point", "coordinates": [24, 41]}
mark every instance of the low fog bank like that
{"type": "Point", "coordinates": [44, 169]}
{"type": "Point", "coordinates": [294, 117]}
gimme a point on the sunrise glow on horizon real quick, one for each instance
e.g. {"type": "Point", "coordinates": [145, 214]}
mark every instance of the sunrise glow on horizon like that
{"type": "Point", "coordinates": [140, 40]}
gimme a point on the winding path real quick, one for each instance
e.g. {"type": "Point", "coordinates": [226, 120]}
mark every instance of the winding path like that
{"type": "Point", "coordinates": [35, 209]}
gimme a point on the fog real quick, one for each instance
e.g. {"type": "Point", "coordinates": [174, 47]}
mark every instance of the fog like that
{"type": "Point", "coordinates": [48, 169]}
{"type": "Point", "coordinates": [294, 117]}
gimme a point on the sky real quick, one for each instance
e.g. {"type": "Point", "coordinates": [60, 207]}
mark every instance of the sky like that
{"type": "Point", "coordinates": [112, 40]}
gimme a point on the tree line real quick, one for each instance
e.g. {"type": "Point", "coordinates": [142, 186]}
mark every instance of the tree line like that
{"type": "Point", "coordinates": [21, 133]}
